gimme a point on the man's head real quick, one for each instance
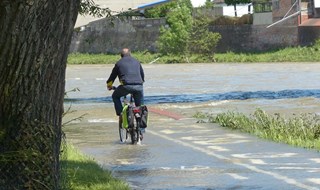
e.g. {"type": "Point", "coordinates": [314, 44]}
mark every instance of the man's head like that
{"type": "Point", "coordinates": [125, 52]}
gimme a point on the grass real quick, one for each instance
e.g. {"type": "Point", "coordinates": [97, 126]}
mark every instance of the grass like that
{"type": "Point", "coordinates": [86, 58]}
{"type": "Point", "coordinates": [296, 54]}
{"type": "Point", "coordinates": [299, 130]}
{"type": "Point", "coordinates": [80, 172]}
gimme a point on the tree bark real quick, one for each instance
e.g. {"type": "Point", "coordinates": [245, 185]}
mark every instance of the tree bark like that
{"type": "Point", "coordinates": [34, 42]}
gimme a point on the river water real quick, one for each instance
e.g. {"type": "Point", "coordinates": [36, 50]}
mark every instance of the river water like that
{"type": "Point", "coordinates": [170, 157]}
{"type": "Point", "coordinates": [284, 85]}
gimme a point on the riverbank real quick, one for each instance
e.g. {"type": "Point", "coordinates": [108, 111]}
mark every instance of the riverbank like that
{"type": "Point", "coordinates": [299, 55]}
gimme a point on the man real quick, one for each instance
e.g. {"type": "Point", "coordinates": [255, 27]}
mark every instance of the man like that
{"type": "Point", "coordinates": [131, 78]}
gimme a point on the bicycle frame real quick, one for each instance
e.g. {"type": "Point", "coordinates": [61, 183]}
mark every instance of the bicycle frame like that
{"type": "Point", "coordinates": [134, 128]}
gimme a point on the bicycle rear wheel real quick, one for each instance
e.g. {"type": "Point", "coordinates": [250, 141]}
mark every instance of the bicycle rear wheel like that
{"type": "Point", "coordinates": [135, 132]}
{"type": "Point", "coordinates": [122, 132]}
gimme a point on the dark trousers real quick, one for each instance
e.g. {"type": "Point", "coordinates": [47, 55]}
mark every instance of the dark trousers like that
{"type": "Point", "coordinates": [123, 90]}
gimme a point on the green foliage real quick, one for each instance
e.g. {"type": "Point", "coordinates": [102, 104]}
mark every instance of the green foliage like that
{"type": "Point", "coordinates": [208, 4]}
{"type": "Point", "coordinates": [245, 19]}
{"type": "Point", "coordinates": [2, 134]}
{"type": "Point", "coordinates": [235, 2]}
{"type": "Point", "coordinates": [227, 20]}
{"type": "Point", "coordinates": [174, 39]}
{"type": "Point", "coordinates": [297, 54]}
{"type": "Point", "coordinates": [164, 9]}
{"type": "Point", "coordinates": [180, 34]}
{"type": "Point", "coordinates": [201, 117]}
{"type": "Point", "coordinates": [79, 58]}
{"type": "Point", "coordinates": [159, 11]}
{"type": "Point", "coordinates": [88, 7]}
{"type": "Point", "coordinates": [202, 40]}
{"type": "Point", "coordinates": [300, 130]}
{"type": "Point", "coordinates": [316, 45]}
{"type": "Point", "coordinates": [262, 6]}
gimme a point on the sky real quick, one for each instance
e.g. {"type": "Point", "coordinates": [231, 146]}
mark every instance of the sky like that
{"type": "Point", "coordinates": [197, 3]}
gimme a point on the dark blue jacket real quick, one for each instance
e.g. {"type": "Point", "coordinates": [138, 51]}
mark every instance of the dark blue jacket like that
{"type": "Point", "coordinates": [128, 70]}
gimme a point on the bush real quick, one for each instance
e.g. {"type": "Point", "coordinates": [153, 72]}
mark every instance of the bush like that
{"type": "Point", "coordinates": [227, 20]}
{"type": "Point", "coordinates": [224, 20]}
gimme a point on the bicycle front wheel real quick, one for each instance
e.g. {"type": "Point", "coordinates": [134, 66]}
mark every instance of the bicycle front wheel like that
{"type": "Point", "coordinates": [122, 132]}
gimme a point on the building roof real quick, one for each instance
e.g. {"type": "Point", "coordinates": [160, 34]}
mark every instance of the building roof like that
{"type": "Point", "coordinates": [152, 4]}
{"type": "Point", "coordinates": [311, 22]}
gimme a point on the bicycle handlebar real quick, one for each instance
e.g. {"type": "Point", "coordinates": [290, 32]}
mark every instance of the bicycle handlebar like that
{"type": "Point", "coordinates": [113, 88]}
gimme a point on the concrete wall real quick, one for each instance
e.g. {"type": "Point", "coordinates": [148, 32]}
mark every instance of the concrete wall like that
{"type": "Point", "coordinates": [208, 12]}
{"type": "Point", "coordinates": [139, 35]}
{"type": "Point", "coordinates": [262, 18]}
{"type": "Point", "coordinates": [251, 38]}
{"type": "Point", "coordinates": [106, 36]}
{"type": "Point", "coordinates": [308, 35]}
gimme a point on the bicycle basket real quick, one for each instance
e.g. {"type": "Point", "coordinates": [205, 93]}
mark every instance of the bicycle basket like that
{"type": "Point", "coordinates": [127, 116]}
{"type": "Point", "coordinates": [144, 116]}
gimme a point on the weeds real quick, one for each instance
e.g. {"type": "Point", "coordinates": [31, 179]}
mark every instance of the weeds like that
{"type": "Point", "coordinates": [300, 130]}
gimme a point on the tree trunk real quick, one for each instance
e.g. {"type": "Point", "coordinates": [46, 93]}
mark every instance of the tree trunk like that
{"type": "Point", "coordinates": [34, 42]}
{"type": "Point", "coordinates": [235, 10]}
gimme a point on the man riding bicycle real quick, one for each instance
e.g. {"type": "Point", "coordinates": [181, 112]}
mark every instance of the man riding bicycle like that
{"type": "Point", "coordinates": [131, 78]}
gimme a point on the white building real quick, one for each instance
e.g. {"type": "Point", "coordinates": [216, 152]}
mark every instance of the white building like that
{"type": "Point", "coordinates": [242, 9]}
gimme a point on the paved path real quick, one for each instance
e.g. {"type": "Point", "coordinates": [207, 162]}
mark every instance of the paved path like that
{"type": "Point", "coordinates": [179, 153]}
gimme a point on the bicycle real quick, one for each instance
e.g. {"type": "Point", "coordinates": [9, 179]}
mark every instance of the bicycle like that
{"type": "Point", "coordinates": [132, 127]}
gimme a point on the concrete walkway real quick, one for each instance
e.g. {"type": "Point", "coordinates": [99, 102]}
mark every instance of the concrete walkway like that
{"type": "Point", "coordinates": [179, 153]}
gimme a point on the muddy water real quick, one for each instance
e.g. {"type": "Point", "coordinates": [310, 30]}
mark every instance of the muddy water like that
{"type": "Point", "coordinates": [285, 86]}
{"type": "Point", "coordinates": [166, 159]}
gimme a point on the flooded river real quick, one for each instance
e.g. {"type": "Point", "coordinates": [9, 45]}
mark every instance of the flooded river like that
{"type": "Point", "coordinates": [181, 154]}
{"type": "Point", "coordinates": [285, 86]}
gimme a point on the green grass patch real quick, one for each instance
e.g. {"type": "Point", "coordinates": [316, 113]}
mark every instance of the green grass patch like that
{"type": "Point", "coordinates": [86, 58]}
{"type": "Point", "coordinates": [299, 130]}
{"type": "Point", "coordinates": [298, 54]}
{"type": "Point", "coordinates": [80, 172]}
